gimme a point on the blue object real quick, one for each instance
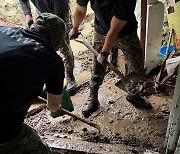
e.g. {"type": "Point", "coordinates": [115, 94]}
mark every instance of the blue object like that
{"type": "Point", "coordinates": [163, 50]}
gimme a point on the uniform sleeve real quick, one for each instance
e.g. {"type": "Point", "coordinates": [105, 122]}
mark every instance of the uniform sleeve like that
{"type": "Point", "coordinates": [82, 2]}
{"type": "Point", "coordinates": [61, 7]}
{"type": "Point", "coordinates": [25, 6]}
{"type": "Point", "coordinates": [55, 82]}
{"type": "Point", "coordinates": [125, 9]}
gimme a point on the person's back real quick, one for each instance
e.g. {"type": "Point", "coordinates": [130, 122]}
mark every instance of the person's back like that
{"type": "Point", "coordinates": [26, 62]}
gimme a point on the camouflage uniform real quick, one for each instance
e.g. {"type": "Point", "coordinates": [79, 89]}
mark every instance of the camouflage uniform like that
{"type": "Point", "coordinates": [130, 46]}
{"type": "Point", "coordinates": [27, 142]}
{"type": "Point", "coordinates": [66, 52]}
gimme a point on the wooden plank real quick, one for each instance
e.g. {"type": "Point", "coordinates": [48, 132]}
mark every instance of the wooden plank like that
{"type": "Point", "coordinates": [88, 147]}
{"type": "Point", "coordinates": [155, 16]}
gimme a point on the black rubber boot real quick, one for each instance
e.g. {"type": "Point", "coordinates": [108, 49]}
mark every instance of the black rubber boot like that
{"type": "Point", "coordinates": [71, 83]}
{"type": "Point", "coordinates": [91, 106]}
{"type": "Point", "coordinates": [138, 101]}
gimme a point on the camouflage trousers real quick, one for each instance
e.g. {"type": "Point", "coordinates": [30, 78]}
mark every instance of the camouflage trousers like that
{"type": "Point", "coordinates": [132, 51]}
{"type": "Point", "coordinates": [66, 52]}
{"type": "Point", "coordinates": [27, 142]}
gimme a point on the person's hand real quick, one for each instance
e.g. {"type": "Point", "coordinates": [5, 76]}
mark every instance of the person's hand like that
{"type": "Point", "coordinates": [73, 34]}
{"type": "Point", "coordinates": [102, 57]}
{"type": "Point", "coordinates": [66, 104]}
{"type": "Point", "coordinates": [57, 113]}
{"type": "Point", "coordinates": [29, 21]}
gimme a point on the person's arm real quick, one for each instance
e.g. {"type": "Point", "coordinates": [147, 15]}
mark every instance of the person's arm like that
{"type": "Point", "coordinates": [54, 84]}
{"type": "Point", "coordinates": [122, 14]}
{"type": "Point", "coordinates": [79, 15]}
{"type": "Point", "coordinates": [54, 102]}
{"type": "Point", "coordinates": [26, 8]}
{"type": "Point", "coordinates": [115, 28]}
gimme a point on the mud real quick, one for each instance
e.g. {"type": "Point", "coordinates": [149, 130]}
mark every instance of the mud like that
{"type": "Point", "coordinates": [124, 128]}
{"type": "Point", "coordinates": [121, 123]}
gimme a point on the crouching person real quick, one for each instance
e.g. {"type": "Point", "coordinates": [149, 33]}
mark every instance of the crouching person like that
{"type": "Point", "coordinates": [28, 60]}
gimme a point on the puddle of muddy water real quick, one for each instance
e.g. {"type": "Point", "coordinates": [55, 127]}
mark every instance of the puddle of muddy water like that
{"type": "Point", "coordinates": [126, 127]}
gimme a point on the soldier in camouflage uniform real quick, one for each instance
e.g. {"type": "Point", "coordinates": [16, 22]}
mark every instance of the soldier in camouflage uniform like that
{"type": "Point", "coordinates": [60, 8]}
{"type": "Point", "coordinates": [113, 27]}
{"type": "Point", "coordinates": [28, 61]}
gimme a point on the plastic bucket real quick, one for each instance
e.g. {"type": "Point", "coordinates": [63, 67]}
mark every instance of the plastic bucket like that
{"type": "Point", "coordinates": [163, 50]}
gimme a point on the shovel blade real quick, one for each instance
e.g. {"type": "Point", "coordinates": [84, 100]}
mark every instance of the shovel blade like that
{"type": "Point", "coordinates": [122, 84]}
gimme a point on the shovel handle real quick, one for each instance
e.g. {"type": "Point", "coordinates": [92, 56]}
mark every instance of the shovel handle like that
{"type": "Point", "coordinates": [80, 119]}
{"type": "Point", "coordinates": [88, 46]}
{"type": "Point", "coordinates": [159, 76]}
{"type": "Point", "coordinates": [73, 115]}
{"type": "Point", "coordinates": [111, 66]}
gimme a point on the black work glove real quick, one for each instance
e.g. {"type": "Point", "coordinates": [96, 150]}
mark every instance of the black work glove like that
{"type": "Point", "coordinates": [74, 34]}
{"type": "Point", "coordinates": [29, 21]}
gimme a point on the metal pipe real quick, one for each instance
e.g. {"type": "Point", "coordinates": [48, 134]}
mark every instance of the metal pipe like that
{"type": "Point", "coordinates": [143, 24]}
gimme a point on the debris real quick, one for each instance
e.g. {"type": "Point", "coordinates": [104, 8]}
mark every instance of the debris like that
{"type": "Point", "coordinates": [171, 64]}
{"type": "Point", "coordinates": [150, 152]}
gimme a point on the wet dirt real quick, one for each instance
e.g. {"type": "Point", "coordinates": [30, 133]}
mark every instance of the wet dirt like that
{"type": "Point", "coordinates": [124, 128]}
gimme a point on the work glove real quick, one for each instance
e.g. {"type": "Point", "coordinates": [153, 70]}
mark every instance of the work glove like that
{"type": "Point", "coordinates": [102, 57]}
{"type": "Point", "coordinates": [74, 34]}
{"type": "Point", "coordinates": [57, 113]}
{"type": "Point", "coordinates": [29, 21]}
{"type": "Point", "coordinates": [66, 104]}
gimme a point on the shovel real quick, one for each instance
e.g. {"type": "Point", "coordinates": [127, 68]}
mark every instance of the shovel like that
{"type": "Point", "coordinates": [73, 115]}
{"type": "Point", "coordinates": [125, 80]}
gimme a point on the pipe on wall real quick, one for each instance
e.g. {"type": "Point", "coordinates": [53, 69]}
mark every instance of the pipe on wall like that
{"type": "Point", "coordinates": [143, 24]}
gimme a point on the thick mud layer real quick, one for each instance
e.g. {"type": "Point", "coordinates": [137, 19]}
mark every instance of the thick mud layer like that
{"type": "Point", "coordinates": [120, 122]}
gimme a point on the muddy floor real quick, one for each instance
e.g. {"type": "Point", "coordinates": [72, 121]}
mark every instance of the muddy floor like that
{"type": "Point", "coordinates": [132, 130]}
{"type": "Point", "coordinates": [124, 128]}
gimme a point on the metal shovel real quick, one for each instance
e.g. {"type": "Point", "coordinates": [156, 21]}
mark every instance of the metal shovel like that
{"type": "Point", "coordinates": [122, 84]}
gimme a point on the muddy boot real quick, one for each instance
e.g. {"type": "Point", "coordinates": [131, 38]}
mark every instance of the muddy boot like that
{"type": "Point", "coordinates": [71, 83]}
{"type": "Point", "coordinates": [138, 101]}
{"type": "Point", "coordinates": [91, 106]}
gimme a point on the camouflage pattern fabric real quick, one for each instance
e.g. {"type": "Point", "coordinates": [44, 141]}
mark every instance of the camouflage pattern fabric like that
{"type": "Point", "coordinates": [27, 142]}
{"type": "Point", "coordinates": [52, 28]}
{"type": "Point", "coordinates": [66, 52]}
{"type": "Point", "coordinates": [129, 45]}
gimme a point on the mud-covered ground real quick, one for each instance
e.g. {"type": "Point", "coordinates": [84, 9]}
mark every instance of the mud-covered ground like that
{"type": "Point", "coordinates": [124, 128]}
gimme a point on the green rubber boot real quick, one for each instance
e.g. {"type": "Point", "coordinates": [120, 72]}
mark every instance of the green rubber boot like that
{"type": "Point", "coordinates": [66, 104]}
